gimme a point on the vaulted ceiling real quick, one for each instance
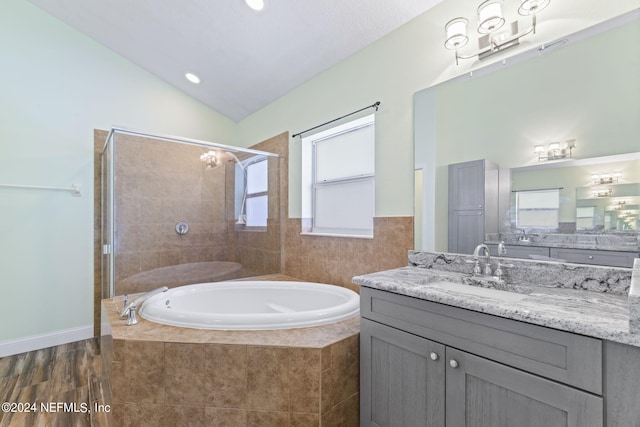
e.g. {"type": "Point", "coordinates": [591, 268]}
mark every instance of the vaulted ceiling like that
{"type": "Point", "coordinates": [245, 58]}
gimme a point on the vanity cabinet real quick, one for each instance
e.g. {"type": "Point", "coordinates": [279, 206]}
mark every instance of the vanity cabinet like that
{"type": "Point", "coordinates": [429, 364]}
{"type": "Point", "coordinates": [473, 204]}
{"type": "Point", "coordinates": [519, 251]}
{"type": "Point", "coordinates": [594, 256]}
{"type": "Point", "coordinates": [578, 256]}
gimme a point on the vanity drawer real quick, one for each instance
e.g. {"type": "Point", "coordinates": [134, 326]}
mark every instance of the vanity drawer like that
{"type": "Point", "coordinates": [519, 251]}
{"type": "Point", "coordinates": [562, 356]}
{"type": "Point", "coordinates": [592, 256]}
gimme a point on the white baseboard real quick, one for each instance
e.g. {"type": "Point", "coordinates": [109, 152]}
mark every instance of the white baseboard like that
{"type": "Point", "coordinates": [36, 342]}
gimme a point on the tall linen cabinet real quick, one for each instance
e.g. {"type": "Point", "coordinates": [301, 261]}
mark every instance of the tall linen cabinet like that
{"type": "Point", "coordinates": [473, 204]}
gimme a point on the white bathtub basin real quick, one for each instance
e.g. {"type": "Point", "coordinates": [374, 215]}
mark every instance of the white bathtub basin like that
{"type": "Point", "coordinates": [252, 305]}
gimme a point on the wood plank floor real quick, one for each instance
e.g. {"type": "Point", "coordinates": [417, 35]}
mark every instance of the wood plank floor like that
{"type": "Point", "coordinates": [46, 380]}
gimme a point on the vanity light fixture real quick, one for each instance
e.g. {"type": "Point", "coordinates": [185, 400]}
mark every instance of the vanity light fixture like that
{"type": "Point", "coordinates": [192, 78]}
{"type": "Point", "coordinates": [602, 193]}
{"type": "Point", "coordinates": [555, 150]}
{"type": "Point", "coordinates": [606, 178]}
{"type": "Point", "coordinates": [490, 20]}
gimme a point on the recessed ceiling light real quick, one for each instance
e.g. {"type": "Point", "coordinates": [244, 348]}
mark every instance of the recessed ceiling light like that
{"type": "Point", "coordinates": [255, 4]}
{"type": "Point", "coordinates": [192, 78]}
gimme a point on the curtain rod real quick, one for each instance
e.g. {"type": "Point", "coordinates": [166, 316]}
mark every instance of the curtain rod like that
{"type": "Point", "coordinates": [376, 105]}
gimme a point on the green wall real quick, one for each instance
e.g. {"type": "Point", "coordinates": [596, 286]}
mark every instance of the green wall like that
{"type": "Point", "coordinates": [57, 87]}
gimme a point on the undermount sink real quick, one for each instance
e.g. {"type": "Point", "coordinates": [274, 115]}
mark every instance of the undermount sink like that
{"type": "Point", "coordinates": [479, 291]}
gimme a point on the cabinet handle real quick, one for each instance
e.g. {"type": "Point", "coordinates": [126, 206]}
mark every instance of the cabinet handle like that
{"type": "Point", "coordinates": [480, 206]}
{"type": "Point", "coordinates": [479, 213]}
{"type": "Point", "coordinates": [453, 363]}
{"type": "Point", "coordinates": [433, 356]}
{"type": "Point", "coordinates": [590, 256]}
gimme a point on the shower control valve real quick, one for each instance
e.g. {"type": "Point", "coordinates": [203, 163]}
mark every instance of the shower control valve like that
{"type": "Point", "coordinates": [182, 228]}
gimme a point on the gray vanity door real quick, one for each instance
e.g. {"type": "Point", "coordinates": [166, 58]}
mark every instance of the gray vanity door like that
{"type": "Point", "coordinates": [473, 204]}
{"type": "Point", "coordinates": [402, 378]}
{"type": "Point", "coordinates": [467, 186]}
{"type": "Point", "coordinates": [482, 393]}
{"type": "Point", "coordinates": [466, 231]}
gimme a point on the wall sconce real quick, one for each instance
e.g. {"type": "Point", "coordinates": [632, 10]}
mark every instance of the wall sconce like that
{"type": "Point", "coordinates": [606, 178]}
{"type": "Point", "coordinates": [619, 205]}
{"type": "Point", "coordinates": [602, 193]}
{"type": "Point", "coordinates": [555, 150]}
{"type": "Point", "coordinates": [490, 20]}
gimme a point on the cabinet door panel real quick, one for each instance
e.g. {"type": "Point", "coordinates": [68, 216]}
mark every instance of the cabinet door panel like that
{"type": "Point", "coordinates": [466, 231]}
{"type": "Point", "coordinates": [482, 393]}
{"type": "Point", "coordinates": [400, 383]}
{"type": "Point", "coordinates": [466, 185]}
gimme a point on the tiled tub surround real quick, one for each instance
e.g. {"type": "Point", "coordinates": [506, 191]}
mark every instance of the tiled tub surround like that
{"type": "Point", "coordinates": [327, 259]}
{"type": "Point", "coordinates": [164, 375]}
{"type": "Point", "coordinates": [588, 300]}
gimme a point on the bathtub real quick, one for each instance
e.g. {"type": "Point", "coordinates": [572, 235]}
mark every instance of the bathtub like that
{"type": "Point", "coordinates": [252, 305]}
{"type": "Point", "coordinates": [179, 274]}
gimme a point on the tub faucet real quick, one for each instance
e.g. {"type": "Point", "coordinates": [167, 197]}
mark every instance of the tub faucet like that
{"type": "Point", "coordinates": [129, 310]}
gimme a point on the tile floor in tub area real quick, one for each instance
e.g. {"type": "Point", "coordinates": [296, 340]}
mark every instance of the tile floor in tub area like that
{"type": "Point", "coordinates": [164, 375]}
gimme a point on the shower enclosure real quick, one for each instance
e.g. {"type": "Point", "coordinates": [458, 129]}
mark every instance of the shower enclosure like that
{"type": "Point", "coordinates": [177, 211]}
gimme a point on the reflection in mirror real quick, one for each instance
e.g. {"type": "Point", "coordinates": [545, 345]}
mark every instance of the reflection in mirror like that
{"type": "Point", "coordinates": [536, 209]}
{"type": "Point", "coordinates": [568, 198]}
{"type": "Point", "coordinates": [585, 89]}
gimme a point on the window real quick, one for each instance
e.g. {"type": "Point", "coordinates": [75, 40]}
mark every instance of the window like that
{"type": "Point", "coordinates": [253, 196]}
{"type": "Point", "coordinates": [538, 208]}
{"type": "Point", "coordinates": [338, 172]}
{"type": "Point", "coordinates": [585, 217]}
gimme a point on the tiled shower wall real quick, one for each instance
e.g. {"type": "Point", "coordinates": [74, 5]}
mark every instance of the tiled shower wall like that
{"type": "Point", "coordinates": [157, 184]}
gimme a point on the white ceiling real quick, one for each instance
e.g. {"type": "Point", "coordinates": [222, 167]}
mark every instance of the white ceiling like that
{"type": "Point", "coordinates": [246, 59]}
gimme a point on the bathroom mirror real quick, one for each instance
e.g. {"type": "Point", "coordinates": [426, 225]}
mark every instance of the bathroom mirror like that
{"type": "Point", "coordinates": [585, 87]}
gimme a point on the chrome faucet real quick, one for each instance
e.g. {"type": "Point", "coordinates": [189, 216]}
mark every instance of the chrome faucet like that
{"type": "Point", "coordinates": [524, 237]}
{"type": "Point", "coordinates": [487, 260]}
{"type": "Point", "coordinates": [129, 310]}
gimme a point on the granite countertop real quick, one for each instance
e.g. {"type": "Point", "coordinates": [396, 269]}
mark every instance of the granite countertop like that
{"type": "Point", "coordinates": [597, 314]}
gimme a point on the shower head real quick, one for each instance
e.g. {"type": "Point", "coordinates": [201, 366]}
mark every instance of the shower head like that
{"type": "Point", "coordinates": [211, 159]}
{"type": "Point", "coordinates": [214, 158]}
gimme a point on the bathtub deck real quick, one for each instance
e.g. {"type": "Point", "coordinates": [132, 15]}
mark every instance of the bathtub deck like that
{"type": "Point", "coordinates": [314, 337]}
